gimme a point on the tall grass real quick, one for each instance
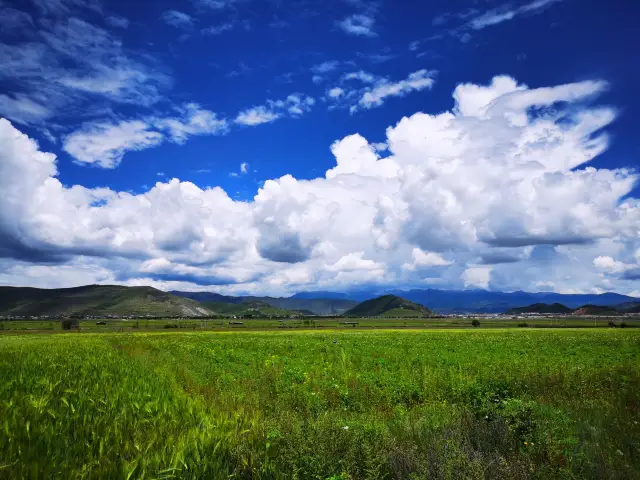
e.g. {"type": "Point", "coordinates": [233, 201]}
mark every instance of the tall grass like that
{"type": "Point", "coordinates": [319, 405]}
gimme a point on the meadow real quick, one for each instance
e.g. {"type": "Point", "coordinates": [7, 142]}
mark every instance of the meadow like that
{"type": "Point", "coordinates": [322, 404]}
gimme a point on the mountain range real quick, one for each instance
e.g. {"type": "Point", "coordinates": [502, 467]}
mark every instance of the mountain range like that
{"type": "Point", "coordinates": [96, 300]}
{"type": "Point", "coordinates": [478, 301]}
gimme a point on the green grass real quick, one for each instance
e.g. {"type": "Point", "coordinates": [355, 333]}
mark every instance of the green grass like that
{"type": "Point", "coordinates": [406, 404]}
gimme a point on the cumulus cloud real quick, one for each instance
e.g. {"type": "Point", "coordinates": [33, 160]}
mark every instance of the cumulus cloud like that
{"type": "Point", "coordinates": [421, 258]}
{"type": "Point", "coordinates": [494, 193]}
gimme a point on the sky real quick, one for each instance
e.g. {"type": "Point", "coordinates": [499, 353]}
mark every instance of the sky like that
{"type": "Point", "coordinates": [274, 146]}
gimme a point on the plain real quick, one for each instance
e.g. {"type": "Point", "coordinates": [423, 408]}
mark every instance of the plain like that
{"type": "Point", "coordinates": [410, 404]}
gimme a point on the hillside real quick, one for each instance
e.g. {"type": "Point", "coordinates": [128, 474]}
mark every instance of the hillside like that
{"type": "Point", "coordinates": [629, 307]}
{"type": "Point", "coordinates": [253, 307]}
{"type": "Point", "coordinates": [316, 306]}
{"type": "Point", "coordinates": [596, 310]}
{"type": "Point", "coordinates": [388, 306]}
{"type": "Point", "coordinates": [95, 300]}
{"type": "Point", "coordinates": [554, 308]}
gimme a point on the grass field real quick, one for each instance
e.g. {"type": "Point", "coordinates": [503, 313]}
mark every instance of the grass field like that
{"type": "Point", "coordinates": [325, 404]}
{"type": "Point", "coordinates": [120, 325]}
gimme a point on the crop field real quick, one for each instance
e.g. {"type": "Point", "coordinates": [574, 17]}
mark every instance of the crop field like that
{"type": "Point", "coordinates": [322, 404]}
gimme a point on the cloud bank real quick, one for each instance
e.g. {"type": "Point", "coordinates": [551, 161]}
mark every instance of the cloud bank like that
{"type": "Point", "coordinates": [494, 193]}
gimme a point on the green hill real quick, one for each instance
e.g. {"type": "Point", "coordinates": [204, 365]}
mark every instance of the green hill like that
{"type": "Point", "coordinates": [388, 306]}
{"type": "Point", "coordinates": [554, 308]}
{"type": "Point", "coordinates": [95, 300]}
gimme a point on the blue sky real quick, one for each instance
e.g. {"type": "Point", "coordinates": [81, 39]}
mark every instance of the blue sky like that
{"type": "Point", "coordinates": [233, 93]}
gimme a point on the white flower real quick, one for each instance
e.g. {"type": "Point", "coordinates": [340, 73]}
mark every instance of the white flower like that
{"type": "Point", "coordinates": [346, 427]}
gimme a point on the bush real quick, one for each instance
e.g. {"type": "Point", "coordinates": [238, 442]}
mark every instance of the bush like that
{"type": "Point", "coordinates": [612, 324]}
{"type": "Point", "coordinates": [171, 325]}
{"type": "Point", "coordinates": [623, 325]}
{"type": "Point", "coordinates": [523, 325]}
{"type": "Point", "coordinates": [70, 324]}
{"type": "Point", "coordinates": [475, 322]}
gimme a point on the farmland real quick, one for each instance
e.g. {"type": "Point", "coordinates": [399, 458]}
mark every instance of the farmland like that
{"type": "Point", "coordinates": [320, 404]}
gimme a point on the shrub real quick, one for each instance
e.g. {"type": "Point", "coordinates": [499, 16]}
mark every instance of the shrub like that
{"type": "Point", "coordinates": [612, 324]}
{"type": "Point", "coordinates": [475, 322]}
{"type": "Point", "coordinates": [70, 323]}
{"type": "Point", "coordinates": [523, 325]}
{"type": "Point", "coordinates": [623, 325]}
{"type": "Point", "coordinates": [171, 325]}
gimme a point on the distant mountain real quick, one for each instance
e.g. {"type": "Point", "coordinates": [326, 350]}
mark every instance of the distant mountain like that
{"type": "Point", "coordinates": [95, 300]}
{"type": "Point", "coordinates": [317, 306]}
{"type": "Point", "coordinates": [388, 306]}
{"type": "Point", "coordinates": [483, 301]}
{"type": "Point", "coordinates": [596, 310]}
{"type": "Point", "coordinates": [554, 308]}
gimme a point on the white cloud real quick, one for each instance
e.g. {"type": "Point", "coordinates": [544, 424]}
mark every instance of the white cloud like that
{"type": "Point", "coordinates": [24, 109]}
{"type": "Point", "coordinates": [193, 120]}
{"type": "Point", "coordinates": [257, 116]}
{"type": "Point", "coordinates": [610, 265]}
{"type": "Point", "coordinates": [335, 92]}
{"type": "Point", "coordinates": [217, 29]}
{"type": "Point", "coordinates": [213, 4]}
{"type": "Point", "coordinates": [364, 77]}
{"type": "Point", "coordinates": [477, 276]}
{"type": "Point", "coordinates": [104, 144]}
{"type": "Point", "coordinates": [244, 167]}
{"type": "Point", "coordinates": [421, 258]}
{"type": "Point", "coordinates": [73, 63]}
{"type": "Point", "coordinates": [375, 96]}
{"type": "Point", "coordinates": [490, 177]}
{"type": "Point", "coordinates": [358, 24]}
{"type": "Point", "coordinates": [505, 13]}
{"type": "Point", "coordinates": [177, 19]}
{"type": "Point", "coordinates": [375, 89]}
{"type": "Point", "coordinates": [294, 105]}
{"type": "Point", "coordinates": [325, 67]}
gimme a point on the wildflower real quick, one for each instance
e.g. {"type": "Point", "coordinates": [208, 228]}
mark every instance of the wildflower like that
{"type": "Point", "coordinates": [526, 443]}
{"type": "Point", "coordinates": [346, 427]}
